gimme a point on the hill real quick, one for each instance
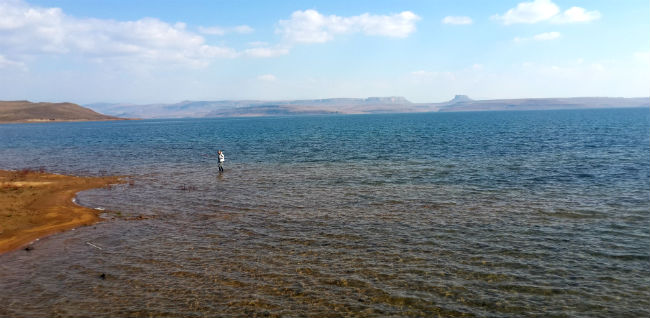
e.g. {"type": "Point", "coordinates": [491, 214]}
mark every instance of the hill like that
{"type": "Point", "coordinates": [370, 105]}
{"type": "Point", "coordinates": [25, 111]}
{"type": "Point", "coordinates": [247, 108]}
{"type": "Point", "coordinates": [466, 104]}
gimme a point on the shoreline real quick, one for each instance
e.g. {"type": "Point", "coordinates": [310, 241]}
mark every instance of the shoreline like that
{"type": "Point", "coordinates": [37, 204]}
{"type": "Point", "coordinates": [41, 121]}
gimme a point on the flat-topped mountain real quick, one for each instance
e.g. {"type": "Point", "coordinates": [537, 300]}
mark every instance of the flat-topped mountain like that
{"type": "Point", "coordinates": [460, 99]}
{"type": "Point", "coordinates": [25, 111]}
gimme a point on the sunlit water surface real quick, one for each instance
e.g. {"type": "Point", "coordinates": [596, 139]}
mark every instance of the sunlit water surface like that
{"type": "Point", "coordinates": [504, 214]}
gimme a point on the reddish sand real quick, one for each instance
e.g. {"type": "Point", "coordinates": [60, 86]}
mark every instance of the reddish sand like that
{"type": "Point", "coordinates": [36, 204]}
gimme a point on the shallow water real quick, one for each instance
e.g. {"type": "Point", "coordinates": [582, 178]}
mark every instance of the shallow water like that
{"type": "Point", "coordinates": [469, 214]}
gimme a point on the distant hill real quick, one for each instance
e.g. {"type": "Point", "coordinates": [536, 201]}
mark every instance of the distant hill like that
{"type": "Point", "coordinates": [25, 111]}
{"type": "Point", "coordinates": [460, 99]}
{"type": "Point", "coordinates": [246, 108]}
{"type": "Point", "coordinates": [462, 104]}
{"type": "Point", "coordinates": [370, 105]}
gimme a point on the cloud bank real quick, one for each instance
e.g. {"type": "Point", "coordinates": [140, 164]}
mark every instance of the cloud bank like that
{"type": "Point", "coordinates": [575, 15]}
{"type": "Point", "coordinates": [30, 31]}
{"type": "Point", "coordinates": [545, 10]}
{"type": "Point", "coordinates": [310, 26]}
{"type": "Point", "coordinates": [27, 30]}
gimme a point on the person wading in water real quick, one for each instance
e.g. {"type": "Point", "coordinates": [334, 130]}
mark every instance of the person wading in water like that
{"type": "Point", "coordinates": [221, 159]}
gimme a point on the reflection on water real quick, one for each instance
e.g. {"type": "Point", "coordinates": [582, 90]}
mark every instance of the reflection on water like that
{"type": "Point", "coordinates": [384, 217]}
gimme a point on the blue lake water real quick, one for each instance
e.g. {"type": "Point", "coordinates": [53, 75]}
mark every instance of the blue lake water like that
{"type": "Point", "coordinates": [508, 214]}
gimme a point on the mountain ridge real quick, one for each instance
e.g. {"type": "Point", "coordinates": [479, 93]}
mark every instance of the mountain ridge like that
{"type": "Point", "coordinates": [369, 105]}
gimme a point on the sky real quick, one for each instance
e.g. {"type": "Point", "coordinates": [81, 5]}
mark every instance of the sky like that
{"type": "Point", "coordinates": [166, 51]}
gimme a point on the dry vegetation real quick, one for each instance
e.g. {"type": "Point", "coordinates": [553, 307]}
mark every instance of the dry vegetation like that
{"type": "Point", "coordinates": [25, 111]}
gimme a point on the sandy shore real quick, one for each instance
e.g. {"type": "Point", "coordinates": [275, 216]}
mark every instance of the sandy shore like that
{"type": "Point", "coordinates": [35, 204]}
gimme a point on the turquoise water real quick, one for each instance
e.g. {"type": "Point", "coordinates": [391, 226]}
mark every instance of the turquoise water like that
{"type": "Point", "coordinates": [484, 214]}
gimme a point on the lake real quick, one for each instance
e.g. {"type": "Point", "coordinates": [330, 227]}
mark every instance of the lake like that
{"type": "Point", "coordinates": [481, 214]}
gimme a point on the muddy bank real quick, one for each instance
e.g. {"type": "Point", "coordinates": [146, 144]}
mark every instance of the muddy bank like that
{"type": "Point", "coordinates": [35, 204]}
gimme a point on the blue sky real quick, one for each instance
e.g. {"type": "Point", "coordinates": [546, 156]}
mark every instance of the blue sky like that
{"type": "Point", "coordinates": [427, 51]}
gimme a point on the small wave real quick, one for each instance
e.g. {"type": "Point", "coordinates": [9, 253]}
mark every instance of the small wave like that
{"type": "Point", "coordinates": [574, 214]}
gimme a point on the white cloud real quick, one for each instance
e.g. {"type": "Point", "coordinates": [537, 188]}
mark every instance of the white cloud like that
{"type": "Point", "coordinates": [576, 14]}
{"type": "Point", "coordinates": [216, 30]}
{"type": "Point", "coordinates": [267, 78]}
{"type": "Point", "coordinates": [545, 10]}
{"type": "Point", "coordinates": [546, 36]}
{"type": "Point", "coordinates": [6, 63]}
{"type": "Point", "coordinates": [457, 20]}
{"type": "Point", "coordinates": [28, 30]}
{"type": "Point", "coordinates": [529, 12]}
{"type": "Point", "coordinates": [266, 51]}
{"type": "Point", "coordinates": [310, 26]}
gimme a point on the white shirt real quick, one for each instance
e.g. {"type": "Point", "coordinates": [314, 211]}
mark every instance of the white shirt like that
{"type": "Point", "coordinates": [221, 157]}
